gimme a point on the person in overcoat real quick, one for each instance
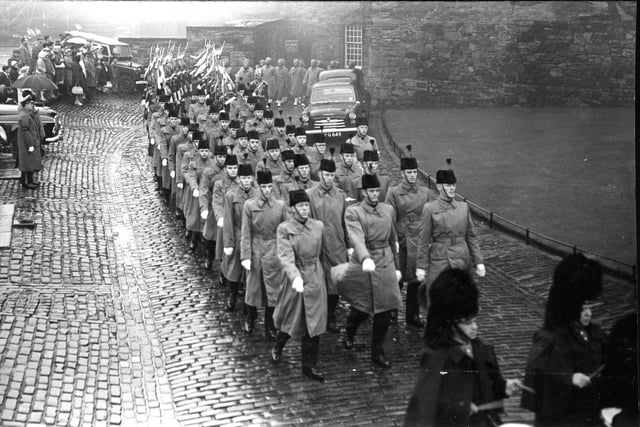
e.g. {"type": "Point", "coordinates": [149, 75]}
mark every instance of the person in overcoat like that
{"type": "Point", "coordinates": [362, 141]}
{"type": "Point", "coordinates": [369, 283]}
{"type": "Point", "coordinates": [234, 202]}
{"type": "Point", "coordinates": [271, 160]}
{"type": "Point", "coordinates": [210, 176]}
{"type": "Point", "coordinates": [347, 170]}
{"type": "Point", "coordinates": [79, 76]}
{"type": "Point", "coordinates": [317, 153]}
{"type": "Point", "coordinates": [92, 78]}
{"type": "Point", "coordinates": [163, 145]}
{"type": "Point", "coordinates": [459, 383]}
{"type": "Point", "coordinates": [228, 182]}
{"type": "Point", "coordinates": [281, 83]}
{"type": "Point", "coordinates": [327, 205]}
{"type": "Point", "coordinates": [181, 152]}
{"type": "Point", "coordinates": [302, 178]}
{"type": "Point", "coordinates": [30, 136]}
{"type": "Point", "coordinates": [68, 71]}
{"type": "Point", "coordinates": [280, 182]}
{"type": "Point", "coordinates": [296, 76]}
{"type": "Point", "coordinates": [260, 218]}
{"type": "Point", "coordinates": [175, 141]}
{"type": "Point", "coordinates": [568, 352]}
{"type": "Point", "coordinates": [311, 76]}
{"type": "Point", "coordinates": [407, 199]}
{"type": "Point", "coordinates": [193, 163]}
{"type": "Point", "coordinates": [301, 309]}
{"type": "Point", "coordinates": [447, 234]}
{"type": "Point", "coordinates": [370, 162]}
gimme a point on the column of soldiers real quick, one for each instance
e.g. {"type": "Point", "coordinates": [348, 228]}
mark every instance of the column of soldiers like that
{"type": "Point", "coordinates": [295, 226]}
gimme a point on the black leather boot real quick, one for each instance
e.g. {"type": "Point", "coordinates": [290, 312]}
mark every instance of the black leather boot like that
{"type": "Point", "coordinates": [210, 249]}
{"type": "Point", "coordinates": [276, 351]}
{"type": "Point", "coordinates": [250, 318]}
{"type": "Point", "coordinates": [270, 331]}
{"type": "Point", "coordinates": [309, 353]}
{"type": "Point", "coordinates": [313, 373]}
{"type": "Point", "coordinates": [233, 295]}
{"type": "Point", "coordinates": [412, 312]}
{"type": "Point", "coordinates": [332, 303]}
{"type": "Point", "coordinates": [381, 323]}
{"type": "Point", "coordinates": [353, 321]}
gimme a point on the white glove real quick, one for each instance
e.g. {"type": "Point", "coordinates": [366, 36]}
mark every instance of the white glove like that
{"type": "Point", "coordinates": [32, 149]}
{"type": "Point", "coordinates": [220, 222]}
{"type": "Point", "coordinates": [349, 199]}
{"type": "Point", "coordinates": [228, 251]}
{"type": "Point", "coordinates": [204, 214]}
{"type": "Point", "coordinates": [179, 185]}
{"type": "Point", "coordinates": [349, 252]}
{"type": "Point", "coordinates": [512, 387]}
{"type": "Point", "coordinates": [297, 284]}
{"type": "Point", "coordinates": [397, 247]}
{"type": "Point", "coordinates": [172, 174]}
{"type": "Point", "coordinates": [368, 265]}
{"type": "Point", "coordinates": [196, 193]}
{"type": "Point", "coordinates": [420, 275]}
{"type": "Point", "coordinates": [480, 270]}
{"type": "Point", "coordinates": [580, 380]}
{"type": "Point", "coordinates": [398, 275]}
{"type": "Point", "coordinates": [246, 264]}
{"type": "Point", "coordinates": [152, 141]}
{"type": "Point", "coordinates": [165, 162]}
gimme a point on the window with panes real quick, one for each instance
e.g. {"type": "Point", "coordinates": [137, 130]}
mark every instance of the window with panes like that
{"type": "Point", "coordinates": [353, 44]}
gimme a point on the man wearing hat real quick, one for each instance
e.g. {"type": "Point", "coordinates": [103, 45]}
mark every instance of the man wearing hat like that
{"type": "Point", "coordinates": [242, 143]}
{"type": "Point", "coordinates": [290, 141]}
{"type": "Point", "coordinates": [271, 159]}
{"type": "Point", "coordinates": [234, 202]}
{"type": "Point", "coordinates": [301, 310]}
{"type": "Point", "coordinates": [30, 135]}
{"type": "Point", "coordinates": [157, 133]}
{"type": "Point", "coordinates": [347, 170]}
{"type": "Point", "coordinates": [199, 107]}
{"type": "Point", "coordinates": [407, 199]}
{"type": "Point", "coordinates": [183, 151]}
{"type": "Point", "coordinates": [311, 77]}
{"type": "Point", "coordinates": [266, 126]}
{"type": "Point", "coordinates": [228, 182]}
{"type": "Point", "coordinates": [286, 177]}
{"type": "Point", "coordinates": [361, 140]}
{"type": "Point", "coordinates": [370, 162]}
{"type": "Point", "coordinates": [302, 180]}
{"type": "Point", "coordinates": [193, 164]}
{"type": "Point", "coordinates": [256, 121]}
{"type": "Point", "coordinates": [317, 153]}
{"type": "Point", "coordinates": [175, 169]}
{"type": "Point", "coordinates": [328, 206]}
{"type": "Point", "coordinates": [210, 176]}
{"type": "Point", "coordinates": [247, 115]}
{"type": "Point", "coordinates": [260, 218]}
{"type": "Point", "coordinates": [211, 127]}
{"type": "Point", "coordinates": [254, 149]}
{"type": "Point", "coordinates": [281, 83]}
{"type": "Point", "coordinates": [301, 142]}
{"type": "Point", "coordinates": [369, 283]}
{"type": "Point", "coordinates": [447, 234]}
{"type": "Point", "coordinates": [169, 132]}
{"type": "Point", "coordinates": [245, 73]}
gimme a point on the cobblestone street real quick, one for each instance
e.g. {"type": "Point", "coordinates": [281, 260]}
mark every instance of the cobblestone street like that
{"type": "Point", "coordinates": [107, 317]}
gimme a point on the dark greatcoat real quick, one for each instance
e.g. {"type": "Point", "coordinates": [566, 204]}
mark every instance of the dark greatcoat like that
{"type": "Point", "coordinates": [280, 183]}
{"type": "Point", "coordinates": [209, 177]}
{"type": "Point", "coordinates": [167, 133]}
{"type": "Point", "coordinates": [344, 177]}
{"type": "Point", "coordinates": [408, 200]}
{"type": "Point", "coordinates": [299, 248]}
{"type": "Point", "coordinates": [372, 235]}
{"type": "Point", "coordinates": [174, 142]}
{"type": "Point", "coordinates": [260, 218]}
{"type": "Point", "coordinates": [356, 187]}
{"type": "Point", "coordinates": [181, 153]}
{"type": "Point", "coordinates": [296, 75]}
{"type": "Point", "coordinates": [362, 144]}
{"type": "Point", "coordinates": [30, 134]}
{"type": "Point", "coordinates": [449, 381]}
{"type": "Point", "coordinates": [220, 188]}
{"type": "Point", "coordinates": [234, 202]}
{"type": "Point", "coordinates": [192, 172]}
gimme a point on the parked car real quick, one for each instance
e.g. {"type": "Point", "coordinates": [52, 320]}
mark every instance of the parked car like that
{"type": "Point", "coordinates": [9, 125]}
{"type": "Point", "coordinates": [336, 100]}
{"type": "Point", "coordinates": [131, 74]}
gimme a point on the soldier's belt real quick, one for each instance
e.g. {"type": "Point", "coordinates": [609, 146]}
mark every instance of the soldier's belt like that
{"type": "Point", "coordinates": [265, 237]}
{"type": "Point", "coordinates": [449, 239]}
{"type": "Point", "coordinates": [377, 245]}
{"type": "Point", "coordinates": [305, 262]}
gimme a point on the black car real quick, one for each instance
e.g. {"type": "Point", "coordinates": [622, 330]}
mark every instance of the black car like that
{"type": "Point", "coordinates": [336, 101]}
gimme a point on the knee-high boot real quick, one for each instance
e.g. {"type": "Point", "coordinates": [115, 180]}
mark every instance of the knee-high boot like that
{"type": "Point", "coordinates": [276, 351]}
{"type": "Point", "coordinates": [381, 322]}
{"type": "Point", "coordinates": [309, 355]}
{"type": "Point", "coordinates": [355, 318]}
{"type": "Point", "coordinates": [332, 303]}
{"type": "Point", "coordinates": [270, 331]}
{"type": "Point", "coordinates": [233, 295]}
{"type": "Point", "coordinates": [412, 312]}
{"type": "Point", "coordinates": [210, 249]}
{"type": "Point", "coordinates": [250, 318]}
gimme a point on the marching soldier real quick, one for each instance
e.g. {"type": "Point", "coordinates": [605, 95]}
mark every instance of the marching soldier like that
{"type": "Point", "coordinates": [210, 176]}
{"type": "Point", "coordinates": [447, 234]}
{"type": "Point", "coordinates": [183, 151]}
{"type": "Point", "coordinates": [223, 118]}
{"type": "Point", "coordinates": [279, 133]}
{"type": "Point", "coordinates": [175, 170]}
{"type": "Point", "coordinates": [282, 83]}
{"type": "Point", "coordinates": [212, 129]}
{"type": "Point", "coordinates": [192, 167]}
{"type": "Point", "coordinates": [301, 142]}
{"type": "Point", "coordinates": [370, 281]}
{"type": "Point", "coordinates": [260, 218]}
{"type": "Point", "coordinates": [370, 162]}
{"type": "Point", "coordinates": [327, 205]}
{"type": "Point", "coordinates": [407, 199]}
{"type": "Point", "coordinates": [234, 202]}
{"type": "Point", "coordinates": [228, 182]}
{"type": "Point", "coordinates": [230, 140]}
{"type": "Point", "coordinates": [266, 128]}
{"type": "Point", "coordinates": [242, 143]}
{"type": "Point", "coordinates": [271, 159]}
{"type": "Point", "coordinates": [296, 75]}
{"type": "Point", "coordinates": [290, 142]}
{"type": "Point", "coordinates": [346, 170]}
{"type": "Point", "coordinates": [198, 108]}
{"type": "Point", "coordinates": [255, 153]}
{"type": "Point", "coordinates": [286, 177]}
{"type": "Point", "coordinates": [361, 140]}
{"type": "Point", "coordinates": [168, 132]}
{"type": "Point", "coordinates": [248, 114]}
{"type": "Point", "coordinates": [245, 73]}
{"type": "Point", "coordinates": [302, 180]}
{"type": "Point", "coordinates": [301, 310]}
{"type": "Point", "coordinates": [318, 152]}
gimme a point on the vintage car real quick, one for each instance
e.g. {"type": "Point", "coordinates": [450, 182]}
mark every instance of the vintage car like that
{"type": "Point", "coordinates": [336, 100]}
{"type": "Point", "coordinates": [9, 124]}
{"type": "Point", "coordinates": [131, 74]}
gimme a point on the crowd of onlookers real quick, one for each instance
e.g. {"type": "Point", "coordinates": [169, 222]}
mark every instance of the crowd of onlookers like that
{"type": "Point", "coordinates": [78, 71]}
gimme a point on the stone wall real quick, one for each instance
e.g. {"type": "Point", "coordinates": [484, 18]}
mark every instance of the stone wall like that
{"type": "Point", "coordinates": [140, 47]}
{"type": "Point", "coordinates": [239, 42]}
{"type": "Point", "coordinates": [499, 53]}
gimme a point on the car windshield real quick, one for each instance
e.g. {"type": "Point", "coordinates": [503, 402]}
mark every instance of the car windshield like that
{"type": "Point", "coordinates": [333, 94]}
{"type": "Point", "coordinates": [121, 51]}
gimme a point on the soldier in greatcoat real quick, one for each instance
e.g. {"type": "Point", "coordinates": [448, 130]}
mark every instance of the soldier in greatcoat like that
{"type": "Point", "coordinates": [290, 142]}
{"type": "Point", "coordinates": [183, 151]}
{"type": "Point", "coordinates": [407, 199]}
{"type": "Point", "coordinates": [198, 108]}
{"type": "Point", "coordinates": [317, 153]}
{"type": "Point", "coordinates": [30, 136]}
{"type": "Point", "coordinates": [296, 76]}
{"type": "Point", "coordinates": [370, 162]}
{"type": "Point", "coordinates": [269, 76]}
{"type": "Point", "coordinates": [245, 73]}
{"type": "Point", "coordinates": [230, 140]}
{"type": "Point", "coordinates": [193, 164]}
{"type": "Point", "coordinates": [447, 234]}
{"type": "Point", "coordinates": [254, 151]}
{"type": "Point", "coordinates": [278, 132]}
{"type": "Point", "coordinates": [301, 143]}
{"type": "Point", "coordinates": [211, 127]}
{"type": "Point", "coordinates": [234, 202]}
{"type": "Point", "coordinates": [163, 147]}
{"type": "Point", "coordinates": [369, 282]}
{"type": "Point", "coordinates": [210, 175]}
{"type": "Point", "coordinates": [175, 170]}
{"type": "Point", "coordinates": [286, 177]}
{"type": "Point", "coordinates": [228, 182]}
{"type": "Point", "coordinates": [282, 83]}
{"type": "Point", "coordinates": [301, 310]}
{"type": "Point", "coordinates": [327, 205]}
{"type": "Point", "coordinates": [346, 170]}
{"type": "Point", "coordinates": [242, 143]}
{"type": "Point", "coordinates": [260, 218]}
{"type": "Point", "coordinates": [271, 159]}
{"type": "Point", "coordinates": [311, 77]}
{"type": "Point", "coordinates": [302, 179]}
{"type": "Point", "coordinates": [362, 141]}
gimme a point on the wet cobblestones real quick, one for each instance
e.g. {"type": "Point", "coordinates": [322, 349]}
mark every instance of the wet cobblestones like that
{"type": "Point", "coordinates": [107, 318]}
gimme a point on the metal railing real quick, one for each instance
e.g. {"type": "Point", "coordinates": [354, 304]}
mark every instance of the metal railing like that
{"type": "Point", "coordinates": [611, 265]}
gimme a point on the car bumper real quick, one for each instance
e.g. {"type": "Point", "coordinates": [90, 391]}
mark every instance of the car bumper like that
{"type": "Point", "coordinates": [326, 131]}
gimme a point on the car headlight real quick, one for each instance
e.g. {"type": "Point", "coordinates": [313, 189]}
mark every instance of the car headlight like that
{"type": "Point", "coordinates": [352, 115]}
{"type": "Point", "coordinates": [305, 118]}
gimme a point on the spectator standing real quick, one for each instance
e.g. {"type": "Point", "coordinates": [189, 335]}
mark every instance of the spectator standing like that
{"type": "Point", "coordinates": [115, 74]}
{"type": "Point", "coordinates": [79, 77]}
{"type": "Point", "coordinates": [25, 53]}
{"type": "Point", "coordinates": [68, 71]}
{"type": "Point", "coordinates": [30, 135]}
{"type": "Point", "coordinates": [311, 77]}
{"type": "Point", "coordinates": [296, 76]}
{"type": "Point", "coordinates": [90, 66]}
{"type": "Point", "coordinates": [282, 83]}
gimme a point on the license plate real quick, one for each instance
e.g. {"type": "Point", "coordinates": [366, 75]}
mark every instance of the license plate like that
{"type": "Point", "coordinates": [333, 134]}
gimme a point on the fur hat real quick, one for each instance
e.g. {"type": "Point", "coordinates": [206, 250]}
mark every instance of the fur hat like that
{"type": "Point", "coordinates": [184, 121]}
{"type": "Point", "coordinates": [231, 160]}
{"type": "Point", "coordinates": [408, 162]}
{"type": "Point", "coordinates": [453, 297]}
{"type": "Point", "coordinates": [264, 176]}
{"type": "Point", "coordinates": [268, 114]}
{"type": "Point", "coordinates": [319, 138]}
{"type": "Point", "coordinates": [297, 196]}
{"type": "Point", "coordinates": [234, 124]}
{"type": "Point", "coordinates": [576, 279]}
{"type": "Point", "coordinates": [370, 181]}
{"type": "Point", "coordinates": [252, 134]}
{"type": "Point", "coordinates": [203, 143]}
{"type": "Point", "coordinates": [252, 100]}
{"type": "Point", "coordinates": [241, 133]}
{"type": "Point", "coordinates": [220, 150]}
{"type": "Point", "coordinates": [287, 155]}
{"type": "Point", "coordinates": [278, 122]}
{"type": "Point", "coordinates": [446, 176]}
{"type": "Point", "coordinates": [245, 169]}
{"type": "Point", "coordinates": [290, 128]}
{"type": "Point", "coordinates": [362, 121]}
{"type": "Point", "coordinates": [300, 160]}
{"type": "Point", "coordinates": [223, 116]}
{"type": "Point", "coordinates": [259, 107]}
{"type": "Point", "coordinates": [300, 131]}
{"type": "Point", "coordinates": [347, 148]}
{"type": "Point", "coordinates": [272, 144]}
{"type": "Point", "coordinates": [370, 156]}
{"type": "Point", "coordinates": [196, 135]}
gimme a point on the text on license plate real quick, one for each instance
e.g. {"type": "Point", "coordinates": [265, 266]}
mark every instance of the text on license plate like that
{"type": "Point", "coordinates": [333, 134]}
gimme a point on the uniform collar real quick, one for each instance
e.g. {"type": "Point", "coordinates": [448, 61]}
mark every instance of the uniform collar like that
{"type": "Point", "coordinates": [370, 209]}
{"type": "Point", "coordinates": [409, 188]}
{"type": "Point", "coordinates": [446, 203]}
